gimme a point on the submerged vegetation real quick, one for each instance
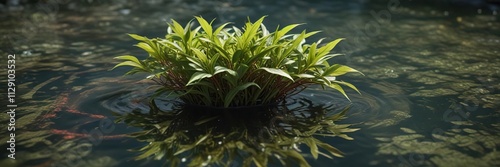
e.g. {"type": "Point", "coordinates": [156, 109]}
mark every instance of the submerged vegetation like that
{"type": "Point", "coordinates": [186, 136]}
{"type": "Point", "coordinates": [227, 67]}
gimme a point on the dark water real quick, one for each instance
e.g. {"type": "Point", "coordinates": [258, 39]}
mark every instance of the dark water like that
{"type": "Point", "coordinates": [430, 96]}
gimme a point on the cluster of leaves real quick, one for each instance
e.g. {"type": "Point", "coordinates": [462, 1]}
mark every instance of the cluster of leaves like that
{"type": "Point", "coordinates": [197, 138]}
{"type": "Point", "coordinates": [227, 67]}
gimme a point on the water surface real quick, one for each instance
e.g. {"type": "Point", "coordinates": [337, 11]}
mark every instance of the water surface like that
{"type": "Point", "coordinates": [430, 94]}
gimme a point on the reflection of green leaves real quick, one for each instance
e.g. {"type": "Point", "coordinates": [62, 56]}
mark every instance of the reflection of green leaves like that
{"type": "Point", "coordinates": [30, 138]}
{"type": "Point", "coordinates": [334, 151]}
{"type": "Point", "coordinates": [198, 138]}
{"type": "Point", "coordinates": [407, 130]}
{"type": "Point", "coordinates": [468, 143]}
{"type": "Point", "coordinates": [314, 147]}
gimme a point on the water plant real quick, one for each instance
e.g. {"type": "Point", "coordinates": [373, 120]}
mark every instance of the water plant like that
{"type": "Point", "coordinates": [228, 67]}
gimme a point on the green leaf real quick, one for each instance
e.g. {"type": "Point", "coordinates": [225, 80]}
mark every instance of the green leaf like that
{"type": "Point", "coordinates": [226, 55]}
{"type": "Point", "coordinates": [219, 69]}
{"type": "Point", "coordinates": [250, 31]}
{"type": "Point", "coordinates": [265, 32]}
{"type": "Point", "coordinates": [305, 76]}
{"type": "Point", "coordinates": [205, 25]}
{"type": "Point", "coordinates": [230, 95]}
{"type": "Point", "coordinates": [279, 34]}
{"type": "Point", "coordinates": [167, 44]}
{"type": "Point", "coordinates": [189, 34]}
{"type": "Point", "coordinates": [237, 56]}
{"type": "Point", "coordinates": [241, 70]}
{"type": "Point", "coordinates": [311, 55]}
{"type": "Point", "coordinates": [295, 43]}
{"type": "Point", "coordinates": [337, 70]}
{"type": "Point", "coordinates": [196, 63]}
{"type": "Point", "coordinates": [198, 76]}
{"type": "Point", "coordinates": [349, 85]}
{"type": "Point", "coordinates": [219, 29]}
{"type": "Point", "coordinates": [328, 47]}
{"type": "Point", "coordinates": [339, 88]}
{"type": "Point", "coordinates": [277, 72]}
{"type": "Point", "coordinates": [177, 28]}
{"type": "Point", "coordinates": [146, 47]}
{"type": "Point", "coordinates": [321, 60]}
{"type": "Point", "coordinates": [129, 58]}
{"type": "Point", "coordinates": [130, 63]}
{"type": "Point", "coordinates": [261, 54]}
{"type": "Point", "coordinates": [139, 38]}
{"type": "Point", "coordinates": [312, 33]}
{"type": "Point", "coordinates": [211, 64]}
{"type": "Point", "coordinates": [202, 56]}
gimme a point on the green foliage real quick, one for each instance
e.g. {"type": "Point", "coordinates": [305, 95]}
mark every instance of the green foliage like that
{"type": "Point", "coordinates": [236, 67]}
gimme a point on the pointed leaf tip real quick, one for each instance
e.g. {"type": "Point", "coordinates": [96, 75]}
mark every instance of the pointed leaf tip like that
{"type": "Point", "coordinates": [277, 72]}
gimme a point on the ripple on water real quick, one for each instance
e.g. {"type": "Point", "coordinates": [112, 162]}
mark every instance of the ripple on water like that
{"type": "Point", "coordinates": [380, 104]}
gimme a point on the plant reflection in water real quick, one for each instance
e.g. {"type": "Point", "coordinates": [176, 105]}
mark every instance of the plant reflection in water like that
{"type": "Point", "coordinates": [257, 136]}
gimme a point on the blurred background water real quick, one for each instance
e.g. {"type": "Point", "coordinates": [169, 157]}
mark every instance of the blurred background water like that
{"type": "Point", "coordinates": [430, 97]}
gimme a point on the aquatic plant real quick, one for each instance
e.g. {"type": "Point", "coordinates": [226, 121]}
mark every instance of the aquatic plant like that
{"type": "Point", "coordinates": [227, 67]}
{"type": "Point", "coordinates": [189, 137]}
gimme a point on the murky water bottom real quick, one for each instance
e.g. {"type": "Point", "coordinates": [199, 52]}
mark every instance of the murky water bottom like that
{"type": "Point", "coordinates": [429, 98]}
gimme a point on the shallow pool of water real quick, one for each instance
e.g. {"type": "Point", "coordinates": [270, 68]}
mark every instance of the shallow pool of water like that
{"type": "Point", "coordinates": [430, 95]}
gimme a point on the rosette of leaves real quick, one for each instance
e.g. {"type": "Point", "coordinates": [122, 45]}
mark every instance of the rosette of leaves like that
{"type": "Point", "coordinates": [227, 67]}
